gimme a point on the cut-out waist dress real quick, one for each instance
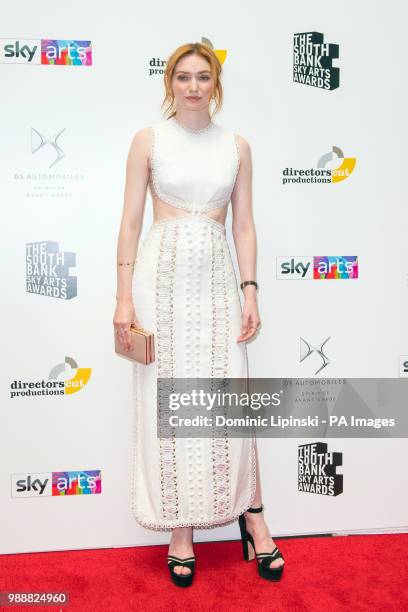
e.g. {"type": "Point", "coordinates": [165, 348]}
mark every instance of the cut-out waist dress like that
{"type": "Point", "coordinates": [185, 290]}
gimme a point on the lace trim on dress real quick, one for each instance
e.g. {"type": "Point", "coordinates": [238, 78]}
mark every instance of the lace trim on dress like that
{"type": "Point", "coordinates": [165, 365]}
{"type": "Point", "coordinates": [219, 370]}
{"type": "Point", "coordinates": [214, 522]}
{"type": "Point", "coordinates": [196, 334]}
{"type": "Point", "coordinates": [191, 130]}
{"type": "Point", "coordinates": [189, 351]}
{"type": "Point", "coordinates": [238, 162]}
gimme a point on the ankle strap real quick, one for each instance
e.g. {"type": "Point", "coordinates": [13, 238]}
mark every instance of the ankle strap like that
{"type": "Point", "coordinates": [255, 509]}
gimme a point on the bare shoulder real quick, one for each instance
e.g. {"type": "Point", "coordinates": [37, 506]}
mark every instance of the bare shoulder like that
{"type": "Point", "coordinates": [141, 144]}
{"type": "Point", "coordinates": [244, 147]}
{"type": "Point", "coordinates": [142, 138]}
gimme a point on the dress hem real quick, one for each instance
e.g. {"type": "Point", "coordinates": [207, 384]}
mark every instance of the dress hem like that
{"type": "Point", "coordinates": [169, 525]}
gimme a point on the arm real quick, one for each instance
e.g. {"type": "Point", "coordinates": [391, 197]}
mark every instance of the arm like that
{"type": "Point", "coordinates": [244, 234]}
{"type": "Point", "coordinates": [137, 177]}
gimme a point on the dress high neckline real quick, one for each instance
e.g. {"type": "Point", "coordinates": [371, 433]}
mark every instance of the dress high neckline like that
{"type": "Point", "coordinates": [191, 130]}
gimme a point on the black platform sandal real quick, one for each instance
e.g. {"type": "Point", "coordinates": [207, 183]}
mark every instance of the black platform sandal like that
{"type": "Point", "coordinates": [263, 559]}
{"type": "Point", "coordinates": [183, 580]}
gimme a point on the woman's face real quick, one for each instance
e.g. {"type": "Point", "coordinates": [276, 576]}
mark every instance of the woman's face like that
{"type": "Point", "coordinates": [192, 83]}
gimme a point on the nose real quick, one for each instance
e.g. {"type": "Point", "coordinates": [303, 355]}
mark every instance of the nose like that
{"type": "Point", "coordinates": [193, 86]}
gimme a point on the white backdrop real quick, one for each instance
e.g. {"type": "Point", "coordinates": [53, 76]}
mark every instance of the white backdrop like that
{"type": "Point", "coordinates": [77, 204]}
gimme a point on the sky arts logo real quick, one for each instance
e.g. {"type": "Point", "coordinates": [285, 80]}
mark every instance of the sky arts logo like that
{"type": "Point", "coordinates": [56, 484]}
{"type": "Point", "coordinates": [313, 61]}
{"type": "Point", "coordinates": [332, 167]}
{"type": "Point", "coordinates": [157, 66]}
{"type": "Point", "coordinates": [48, 270]}
{"type": "Point", "coordinates": [46, 51]}
{"type": "Point", "coordinates": [316, 267]}
{"type": "Point", "coordinates": [403, 366]}
{"type": "Point", "coordinates": [64, 379]}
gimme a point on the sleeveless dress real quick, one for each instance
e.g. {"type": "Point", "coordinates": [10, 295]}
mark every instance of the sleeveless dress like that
{"type": "Point", "coordinates": [185, 291]}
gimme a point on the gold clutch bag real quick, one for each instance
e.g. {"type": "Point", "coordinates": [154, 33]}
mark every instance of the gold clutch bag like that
{"type": "Point", "coordinates": [142, 349]}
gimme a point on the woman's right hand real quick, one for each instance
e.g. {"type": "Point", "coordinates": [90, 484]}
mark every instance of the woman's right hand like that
{"type": "Point", "coordinates": [124, 317]}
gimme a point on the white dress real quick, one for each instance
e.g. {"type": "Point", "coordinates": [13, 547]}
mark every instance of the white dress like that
{"type": "Point", "coordinates": [186, 292]}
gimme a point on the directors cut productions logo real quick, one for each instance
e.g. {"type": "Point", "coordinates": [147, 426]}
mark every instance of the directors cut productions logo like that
{"type": "Point", "coordinates": [56, 484]}
{"type": "Point", "coordinates": [45, 51]}
{"type": "Point", "coordinates": [317, 470]}
{"type": "Point", "coordinates": [313, 61]}
{"type": "Point", "coordinates": [65, 378]}
{"type": "Point", "coordinates": [316, 267]}
{"type": "Point", "coordinates": [158, 66]}
{"type": "Point", "coordinates": [341, 168]}
{"type": "Point", "coordinates": [47, 270]}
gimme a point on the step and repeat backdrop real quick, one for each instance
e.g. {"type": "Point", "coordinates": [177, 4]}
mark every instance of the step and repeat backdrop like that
{"type": "Point", "coordinates": [320, 95]}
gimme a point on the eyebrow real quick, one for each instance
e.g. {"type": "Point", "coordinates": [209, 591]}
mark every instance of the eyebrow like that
{"type": "Point", "coordinates": [186, 72]}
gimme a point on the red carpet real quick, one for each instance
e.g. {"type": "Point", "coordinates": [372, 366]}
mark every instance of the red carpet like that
{"type": "Point", "coordinates": [322, 573]}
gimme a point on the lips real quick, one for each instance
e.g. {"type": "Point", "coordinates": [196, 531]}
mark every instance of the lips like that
{"type": "Point", "coordinates": [193, 97]}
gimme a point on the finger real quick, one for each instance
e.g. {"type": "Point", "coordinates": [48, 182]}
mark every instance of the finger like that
{"type": "Point", "coordinates": [250, 332]}
{"type": "Point", "coordinates": [128, 340]}
{"type": "Point", "coordinates": [245, 324]}
{"type": "Point", "coordinates": [123, 336]}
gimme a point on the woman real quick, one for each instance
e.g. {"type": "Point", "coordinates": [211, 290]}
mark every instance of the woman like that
{"type": "Point", "coordinates": [183, 288]}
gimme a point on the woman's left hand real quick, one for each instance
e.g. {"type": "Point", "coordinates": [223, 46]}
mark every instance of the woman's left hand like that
{"type": "Point", "coordinates": [250, 319]}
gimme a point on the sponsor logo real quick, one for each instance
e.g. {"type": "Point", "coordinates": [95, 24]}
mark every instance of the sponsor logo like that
{"type": "Point", "coordinates": [65, 378]}
{"type": "Point", "coordinates": [332, 167]}
{"type": "Point", "coordinates": [316, 267]}
{"type": "Point", "coordinates": [317, 469]}
{"type": "Point", "coordinates": [45, 51]}
{"type": "Point", "coordinates": [157, 66]}
{"type": "Point", "coordinates": [48, 270]}
{"type": "Point", "coordinates": [56, 484]}
{"type": "Point", "coordinates": [306, 350]}
{"type": "Point", "coordinates": [313, 61]}
{"type": "Point", "coordinates": [38, 141]}
{"type": "Point", "coordinates": [403, 366]}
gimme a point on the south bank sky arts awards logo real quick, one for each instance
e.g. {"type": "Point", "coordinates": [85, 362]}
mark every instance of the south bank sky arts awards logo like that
{"type": "Point", "coordinates": [65, 378]}
{"type": "Point", "coordinates": [157, 66]}
{"type": "Point", "coordinates": [332, 167]}
{"type": "Point", "coordinates": [317, 469]}
{"type": "Point", "coordinates": [48, 270]}
{"type": "Point", "coordinates": [46, 51]}
{"type": "Point", "coordinates": [313, 61]}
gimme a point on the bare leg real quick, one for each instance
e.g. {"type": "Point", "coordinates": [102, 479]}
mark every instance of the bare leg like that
{"type": "Point", "coordinates": [256, 525]}
{"type": "Point", "coordinates": [181, 545]}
